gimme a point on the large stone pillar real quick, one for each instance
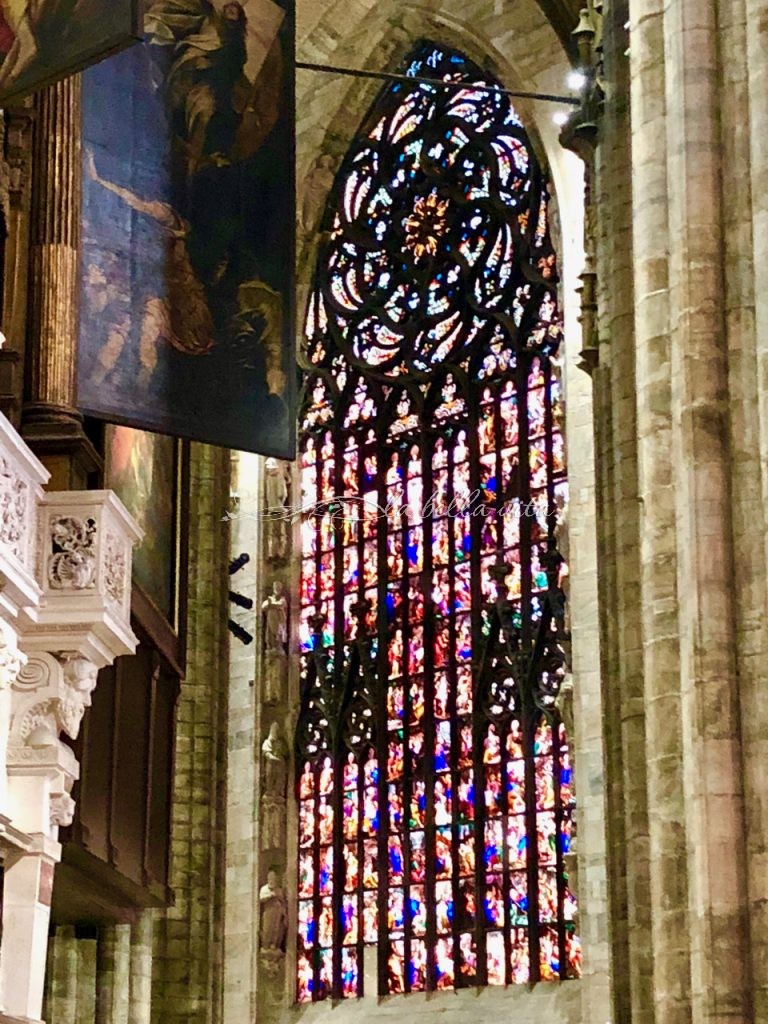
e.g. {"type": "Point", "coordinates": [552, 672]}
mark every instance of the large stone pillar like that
{"type": "Point", "coordinates": [714, 812]}
{"type": "Point", "coordinates": [656, 490]}
{"type": "Point", "coordinates": [753, 568]}
{"type": "Point", "coordinates": [50, 421]}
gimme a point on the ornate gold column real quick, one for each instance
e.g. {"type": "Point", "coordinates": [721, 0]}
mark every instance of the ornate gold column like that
{"type": "Point", "coordinates": [50, 421]}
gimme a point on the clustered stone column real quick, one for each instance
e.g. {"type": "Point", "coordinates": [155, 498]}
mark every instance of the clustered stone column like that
{"type": "Point", "coordinates": [65, 568]}
{"type": "Point", "coordinates": [681, 419]}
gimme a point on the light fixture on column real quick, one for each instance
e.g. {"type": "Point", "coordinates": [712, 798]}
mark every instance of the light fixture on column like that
{"type": "Point", "coordinates": [580, 134]}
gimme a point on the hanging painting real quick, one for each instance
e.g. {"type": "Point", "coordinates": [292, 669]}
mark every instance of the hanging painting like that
{"type": "Point", "coordinates": [44, 40]}
{"type": "Point", "coordinates": [188, 223]}
{"type": "Point", "coordinates": [143, 470]}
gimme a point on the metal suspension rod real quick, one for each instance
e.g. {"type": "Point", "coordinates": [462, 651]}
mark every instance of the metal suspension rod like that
{"type": "Point", "coordinates": [388, 76]}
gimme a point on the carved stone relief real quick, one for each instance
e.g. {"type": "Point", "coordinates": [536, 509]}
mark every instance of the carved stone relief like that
{"type": "Point", "coordinates": [72, 556]}
{"type": "Point", "coordinates": [52, 693]}
{"type": "Point", "coordinates": [114, 568]}
{"type": "Point", "coordinates": [14, 503]}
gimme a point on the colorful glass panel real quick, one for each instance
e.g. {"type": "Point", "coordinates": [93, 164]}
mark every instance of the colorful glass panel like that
{"type": "Point", "coordinates": [434, 785]}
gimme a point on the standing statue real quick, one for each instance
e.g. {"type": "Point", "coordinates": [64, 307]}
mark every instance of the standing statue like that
{"type": "Point", "coordinates": [276, 495]}
{"type": "Point", "coordinates": [275, 751]}
{"type": "Point", "coordinates": [275, 609]}
{"type": "Point", "coordinates": [273, 908]}
{"type": "Point", "coordinates": [317, 185]}
{"type": "Point", "coordinates": [275, 617]}
{"type": "Point", "coordinates": [275, 776]}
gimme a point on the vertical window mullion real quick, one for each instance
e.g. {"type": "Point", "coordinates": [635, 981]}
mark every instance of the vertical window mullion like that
{"type": "Point", "coordinates": [479, 725]}
{"type": "Point", "coordinates": [527, 639]}
{"type": "Point", "coordinates": [405, 680]}
{"type": "Point", "coordinates": [429, 731]}
{"type": "Point", "coordinates": [339, 680]}
{"type": "Point", "coordinates": [382, 662]}
{"type": "Point", "coordinates": [455, 774]}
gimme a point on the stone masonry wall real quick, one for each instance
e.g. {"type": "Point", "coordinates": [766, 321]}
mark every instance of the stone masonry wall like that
{"type": "Point", "coordinates": [189, 935]}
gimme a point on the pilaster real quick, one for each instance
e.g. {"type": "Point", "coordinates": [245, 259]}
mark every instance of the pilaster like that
{"type": "Point", "coordinates": [50, 420]}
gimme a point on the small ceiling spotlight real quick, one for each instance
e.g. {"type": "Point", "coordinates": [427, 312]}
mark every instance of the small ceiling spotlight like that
{"type": "Point", "coordinates": [560, 117]}
{"type": "Point", "coordinates": [576, 80]}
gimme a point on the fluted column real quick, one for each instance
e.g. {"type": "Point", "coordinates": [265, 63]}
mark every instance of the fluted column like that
{"type": "Point", "coordinates": [50, 421]}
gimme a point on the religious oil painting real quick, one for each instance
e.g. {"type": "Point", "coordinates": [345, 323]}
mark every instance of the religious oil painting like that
{"type": "Point", "coordinates": [188, 213]}
{"type": "Point", "coordinates": [142, 469]}
{"type": "Point", "coordinates": [44, 40]}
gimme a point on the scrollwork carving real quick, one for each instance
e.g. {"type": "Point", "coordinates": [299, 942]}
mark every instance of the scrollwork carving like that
{"type": "Point", "coordinates": [72, 561]}
{"type": "Point", "coordinates": [53, 692]}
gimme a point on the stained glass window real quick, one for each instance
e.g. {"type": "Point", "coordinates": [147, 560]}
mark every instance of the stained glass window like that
{"type": "Point", "coordinates": [434, 778]}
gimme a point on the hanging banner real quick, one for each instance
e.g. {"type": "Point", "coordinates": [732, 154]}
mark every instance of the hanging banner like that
{"type": "Point", "coordinates": [44, 40]}
{"type": "Point", "coordinates": [188, 217]}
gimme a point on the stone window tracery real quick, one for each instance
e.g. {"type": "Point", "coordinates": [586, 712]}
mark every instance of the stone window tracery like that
{"type": "Point", "coordinates": [434, 775]}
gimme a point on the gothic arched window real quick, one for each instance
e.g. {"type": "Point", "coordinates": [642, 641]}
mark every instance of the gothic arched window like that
{"type": "Point", "coordinates": [434, 782]}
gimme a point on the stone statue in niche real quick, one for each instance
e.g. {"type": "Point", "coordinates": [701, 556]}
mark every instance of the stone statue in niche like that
{"type": "Point", "coordinates": [275, 776]}
{"type": "Point", "coordinates": [275, 751]}
{"type": "Point", "coordinates": [276, 517]}
{"type": "Point", "coordinates": [317, 185]}
{"type": "Point", "coordinates": [275, 617]}
{"type": "Point", "coordinates": [273, 910]}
